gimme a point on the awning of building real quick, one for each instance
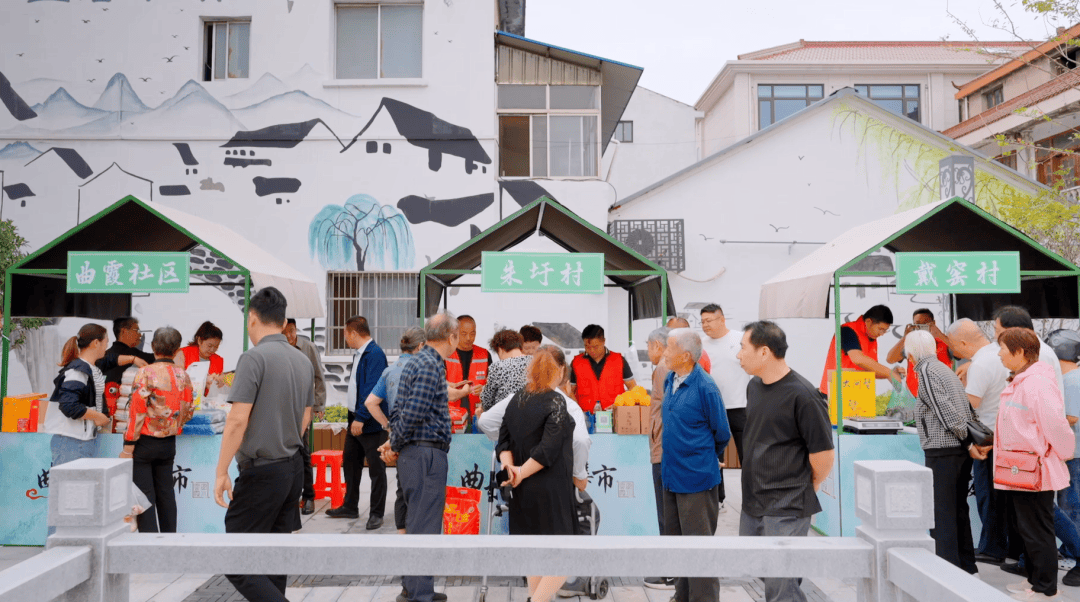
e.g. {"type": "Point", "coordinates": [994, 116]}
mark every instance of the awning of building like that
{"type": "Point", "coordinates": [1049, 282]}
{"type": "Point", "coordinates": [618, 80]}
{"type": "Point", "coordinates": [571, 232]}
{"type": "Point", "coordinates": [132, 225]}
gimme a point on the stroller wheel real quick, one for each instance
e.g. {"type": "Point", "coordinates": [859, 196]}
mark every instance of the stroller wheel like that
{"type": "Point", "coordinates": [602, 589]}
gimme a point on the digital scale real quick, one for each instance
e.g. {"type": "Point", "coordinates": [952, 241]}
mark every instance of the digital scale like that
{"type": "Point", "coordinates": [877, 425]}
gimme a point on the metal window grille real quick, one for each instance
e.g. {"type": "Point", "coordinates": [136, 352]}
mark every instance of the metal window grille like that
{"type": "Point", "coordinates": [661, 240]}
{"type": "Point", "coordinates": [386, 299]}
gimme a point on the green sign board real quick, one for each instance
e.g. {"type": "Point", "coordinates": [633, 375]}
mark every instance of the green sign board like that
{"type": "Point", "coordinates": [542, 272]}
{"type": "Point", "coordinates": [958, 273]}
{"type": "Point", "coordinates": [123, 272]}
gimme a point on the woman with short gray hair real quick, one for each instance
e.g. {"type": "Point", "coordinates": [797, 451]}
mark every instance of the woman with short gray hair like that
{"type": "Point", "coordinates": [161, 403]}
{"type": "Point", "coordinates": [941, 416]}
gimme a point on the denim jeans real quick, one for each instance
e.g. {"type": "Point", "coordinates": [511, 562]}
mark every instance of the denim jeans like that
{"type": "Point", "coordinates": [1068, 499]}
{"type": "Point", "coordinates": [1069, 534]}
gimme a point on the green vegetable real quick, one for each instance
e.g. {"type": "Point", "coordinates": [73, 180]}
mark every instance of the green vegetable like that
{"type": "Point", "coordinates": [336, 414]}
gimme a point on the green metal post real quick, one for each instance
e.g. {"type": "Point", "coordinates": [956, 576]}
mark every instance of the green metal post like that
{"type": "Point", "coordinates": [313, 330]}
{"type": "Point", "coordinates": [7, 338]}
{"type": "Point", "coordinates": [423, 296]}
{"type": "Point", "coordinates": [839, 390]}
{"type": "Point", "coordinates": [247, 306]}
{"type": "Point", "coordinates": [663, 297]}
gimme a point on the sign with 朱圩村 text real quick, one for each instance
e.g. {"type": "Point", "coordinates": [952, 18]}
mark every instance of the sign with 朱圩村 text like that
{"type": "Point", "coordinates": [127, 272]}
{"type": "Point", "coordinates": [958, 273]}
{"type": "Point", "coordinates": [542, 272]}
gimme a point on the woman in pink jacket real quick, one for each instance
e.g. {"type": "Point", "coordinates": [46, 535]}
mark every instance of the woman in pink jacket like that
{"type": "Point", "coordinates": [1031, 419]}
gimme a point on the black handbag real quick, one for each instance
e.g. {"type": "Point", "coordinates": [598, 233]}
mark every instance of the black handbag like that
{"type": "Point", "coordinates": [978, 433]}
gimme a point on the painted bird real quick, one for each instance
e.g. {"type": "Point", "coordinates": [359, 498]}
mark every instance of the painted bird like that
{"type": "Point", "coordinates": [168, 59]}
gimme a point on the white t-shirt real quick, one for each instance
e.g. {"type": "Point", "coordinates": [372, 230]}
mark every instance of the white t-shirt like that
{"type": "Point", "coordinates": [1046, 354]}
{"type": "Point", "coordinates": [730, 378]}
{"type": "Point", "coordinates": [986, 379]}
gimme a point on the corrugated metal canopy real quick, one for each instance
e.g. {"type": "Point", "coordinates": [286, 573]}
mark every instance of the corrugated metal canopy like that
{"type": "Point", "coordinates": [618, 80]}
{"type": "Point", "coordinates": [802, 290]}
{"type": "Point", "coordinates": [132, 225]}
{"type": "Point", "coordinates": [569, 231]}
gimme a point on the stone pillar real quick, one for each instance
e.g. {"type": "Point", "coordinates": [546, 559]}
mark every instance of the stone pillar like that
{"type": "Point", "coordinates": [894, 499]}
{"type": "Point", "coordinates": [88, 501]}
{"type": "Point", "coordinates": [956, 177]}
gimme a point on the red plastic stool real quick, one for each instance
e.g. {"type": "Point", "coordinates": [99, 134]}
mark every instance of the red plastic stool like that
{"type": "Point", "coordinates": [335, 490]}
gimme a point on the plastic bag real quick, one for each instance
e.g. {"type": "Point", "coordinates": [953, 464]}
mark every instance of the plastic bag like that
{"type": "Point", "coordinates": [461, 515]}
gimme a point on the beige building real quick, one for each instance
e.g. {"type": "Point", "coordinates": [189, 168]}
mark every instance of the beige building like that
{"type": "Point", "coordinates": [916, 79]}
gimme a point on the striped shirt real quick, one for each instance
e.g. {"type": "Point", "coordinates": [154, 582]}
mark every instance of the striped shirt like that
{"type": "Point", "coordinates": [938, 385]}
{"type": "Point", "coordinates": [422, 412]}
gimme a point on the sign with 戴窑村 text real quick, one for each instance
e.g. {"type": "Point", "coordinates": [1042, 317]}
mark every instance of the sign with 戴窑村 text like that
{"type": "Point", "coordinates": [127, 272]}
{"type": "Point", "coordinates": [958, 273]}
{"type": "Point", "coordinates": [542, 272]}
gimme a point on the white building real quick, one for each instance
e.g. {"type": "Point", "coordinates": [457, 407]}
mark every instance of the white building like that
{"type": "Point", "coordinates": [917, 79]}
{"type": "Point", "coordinates": [749, 211]}
{"type": "Point", "coordinates": [275, 118]}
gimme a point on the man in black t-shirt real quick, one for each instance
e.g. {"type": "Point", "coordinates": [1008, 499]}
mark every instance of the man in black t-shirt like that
{"type": "Point", "coordinates": [123, 352]}
{"type": "Point", "coordinates": [789, 448]}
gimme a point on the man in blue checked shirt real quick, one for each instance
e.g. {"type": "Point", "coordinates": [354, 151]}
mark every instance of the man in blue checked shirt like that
{"type": "Point", "coordinates": [420, 439]}
{"type": "Point", "coordinates": [365, 433]}
{"type": "Point", "coordinates": [695, 434]}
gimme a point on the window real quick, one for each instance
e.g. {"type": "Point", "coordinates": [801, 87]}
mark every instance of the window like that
{"type": "Point", "coordinates": [228, 50]}
{"type": "Point", "coordinates": [376, 41]}
{"type": "Point", "coordinates": [900, 99]}
{"type": "Point", "coordinates": [386, 299]}
{"type": "Point", "coordinates": [994, 97]}
{"type": "Point", "coordinates": [1008, 160]}
{"type": "Point", "coordinates": [1066, 59]}
{"type": "Point", "coordinates": [777, 102]}
{"type": "Point", "coordinates": [549, 131]}
{"type": "Point", "coordinates": [624, 131]}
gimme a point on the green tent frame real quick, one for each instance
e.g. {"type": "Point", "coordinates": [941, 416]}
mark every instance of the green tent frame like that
{"type": "Point", "coordinates": [19, 269]}
{"type": "Point", "coordinates": [1068, 270]}
{"type": "Point", "coordinates": [651, 270]}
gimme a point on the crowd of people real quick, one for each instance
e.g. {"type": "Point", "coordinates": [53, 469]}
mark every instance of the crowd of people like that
{"type": "Point", "coordinates": [997, 412]}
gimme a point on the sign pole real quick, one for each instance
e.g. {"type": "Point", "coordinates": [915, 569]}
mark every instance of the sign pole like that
{"type": "Point", "coordinates": [7, 337]}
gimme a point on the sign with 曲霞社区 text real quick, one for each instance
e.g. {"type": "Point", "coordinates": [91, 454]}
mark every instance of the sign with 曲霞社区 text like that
{"type": "Point", "coordinates": [127, 272]}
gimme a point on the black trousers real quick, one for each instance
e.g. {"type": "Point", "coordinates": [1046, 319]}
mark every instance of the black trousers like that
{"type": "Point", "coordinates": [1033, 521]}
{"type": "Point", "coordinates": [737, 423]}
{"type": "Point", "coordinates": [352, 459]}
{"type": "Point", "coordinates": [264, 501]}
{"type": "Point", "coordinates": [151, 471]}
{"type": "Point", "coordinates": [693, 514]}
{"type": "Point", "coordinates": [952, 523]}
{"type": "Point", "coordinates": [401, 509]}
{"type": "Point", "coordinates": [309, 476]}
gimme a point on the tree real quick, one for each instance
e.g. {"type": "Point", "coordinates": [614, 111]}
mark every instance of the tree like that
{"type": "Point", "coordinates": [1052, 217]}
{"type": "Point", "coordinates": [12, 247]}
{"type": "Point", "coordinates": [361, 233]}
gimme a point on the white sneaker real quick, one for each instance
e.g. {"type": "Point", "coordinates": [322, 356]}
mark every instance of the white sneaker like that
{"type": "Point", "coordinates": [1019, 587]}
{"type": "Point", "coordinates": [1065, 564]}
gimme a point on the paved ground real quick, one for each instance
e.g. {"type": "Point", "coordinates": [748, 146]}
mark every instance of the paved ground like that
{"type": "Point", "coordinates": [358, 588]}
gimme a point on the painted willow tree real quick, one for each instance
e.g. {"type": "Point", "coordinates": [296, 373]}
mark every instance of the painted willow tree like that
{"type": "Point", "coordinates": [362, 234]}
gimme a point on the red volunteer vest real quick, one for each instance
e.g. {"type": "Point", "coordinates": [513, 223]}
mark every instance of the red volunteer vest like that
{"type": "Point", "coordinates": [191, 355]}
{"type": "Point", "coordinates": [477, 373]}
{"type": "Point", "coordinates": [868, 346]}
{"type": "Point", "coordinates": [606, 389]}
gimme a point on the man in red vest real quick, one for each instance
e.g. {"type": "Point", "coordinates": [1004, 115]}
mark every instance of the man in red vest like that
{"type": "Point", "coordinates": [468, 363]}
{"type": "Point", "coordinates": [598, 374]}
{"type": "Point", "coordinates": [858, 342]}
{"type": "Point", "coordinates": [923, 319]}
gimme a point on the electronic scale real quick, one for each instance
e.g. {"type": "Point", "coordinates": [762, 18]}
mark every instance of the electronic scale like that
{"type": "Point", "coordinates": [877, 425]}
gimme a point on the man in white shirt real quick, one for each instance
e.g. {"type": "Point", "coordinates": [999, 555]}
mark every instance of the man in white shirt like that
{"type": "Point", "coordinates": [1014, 316]}
{"type": "Point", "coordinates": [723, 345]}
{"type": "Point", "coordinates": [985, 380]}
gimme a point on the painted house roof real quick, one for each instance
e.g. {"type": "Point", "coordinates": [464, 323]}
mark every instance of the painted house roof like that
{"type": "Point", "coordinates": [887, 52]}
{"type": "Point", "coordinates": [71, 158]}
{"type": "Point", "coordinates": [849, 95]}
{"type": "Point", "coordinates": [1062, 83]}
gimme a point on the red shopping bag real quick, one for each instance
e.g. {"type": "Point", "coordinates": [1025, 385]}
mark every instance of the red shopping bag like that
{"type": "Point", "coordinates": [461, 516]}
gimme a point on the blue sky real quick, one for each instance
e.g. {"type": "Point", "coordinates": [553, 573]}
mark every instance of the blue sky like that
{"type": "Point", "coordinates": [682, 44]}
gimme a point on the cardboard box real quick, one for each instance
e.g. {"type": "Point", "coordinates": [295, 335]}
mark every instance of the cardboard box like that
{"type": "Point", "coordinates": [646, 420]}
{"type": "Point", "coordinates": [859, 392]}
{"type": "Point", "coordinates": [627, 420]}
{"type": "Point", "coordinates": [21, 413]}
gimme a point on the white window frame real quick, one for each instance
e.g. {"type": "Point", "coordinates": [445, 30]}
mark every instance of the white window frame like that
{"type": "Point", "coordinates": [617, 127]}
{"type": "Point", "coordinates": [211, 23]}
{"type": "Point", "coordinates": [554, 113]}
{"type": "Point", "coordinates": [379, 79]}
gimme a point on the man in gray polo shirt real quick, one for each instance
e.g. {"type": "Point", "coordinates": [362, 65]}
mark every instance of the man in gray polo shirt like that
{"type": "Point", "coordinates": [271, 397]}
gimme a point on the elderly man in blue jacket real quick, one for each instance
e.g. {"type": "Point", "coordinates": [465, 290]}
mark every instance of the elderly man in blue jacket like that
{"type": "Point", "coordinates": [695, 434]}
{"type": "Point", "coordinates": [365, 433]}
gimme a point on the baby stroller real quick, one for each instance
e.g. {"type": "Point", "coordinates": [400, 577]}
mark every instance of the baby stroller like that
{"type": "Point", "coordinates": [588, 523]}
{"type": "Point", "coordinates": [498, 509]}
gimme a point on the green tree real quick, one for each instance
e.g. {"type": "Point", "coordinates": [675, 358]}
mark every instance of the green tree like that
{"type": "Point", "coordinates": [12, 249]}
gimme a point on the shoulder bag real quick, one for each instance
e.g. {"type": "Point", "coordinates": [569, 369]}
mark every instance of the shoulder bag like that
{"type": "Point", "coordinates": [1018, 469]}
{"type": "Point", "coordinates": [978, 433]}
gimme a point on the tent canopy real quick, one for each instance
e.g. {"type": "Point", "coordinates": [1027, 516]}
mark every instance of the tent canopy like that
{"type": "Point", "coordinates": [1050, 283]}
{"type": "Point", "coordinates": [132, 225]}
{"type": "Point", "coordinates": [644, 280]}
